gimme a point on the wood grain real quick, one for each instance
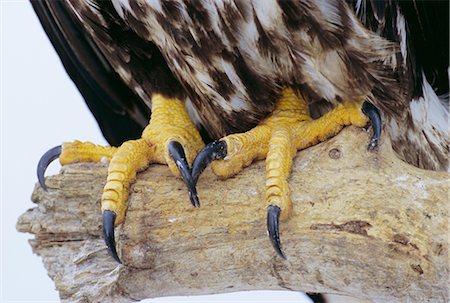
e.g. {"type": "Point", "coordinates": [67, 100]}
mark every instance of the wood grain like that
{"type": "Point", "coordinates": [364, 224]}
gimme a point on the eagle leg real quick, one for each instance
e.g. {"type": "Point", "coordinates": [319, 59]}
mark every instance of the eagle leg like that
{"type": "Point", "coordinates": [277, 138]}
{"type": "Point", "coordinates": [170, 138]}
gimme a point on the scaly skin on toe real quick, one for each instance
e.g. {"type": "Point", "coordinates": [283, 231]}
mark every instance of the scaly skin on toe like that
{"type": "Point", "coordinates": [131, 157]}
{"type": "Point", "coordinates": [277, 138]}
{"type": "Point", "coordinates": [73, 152]}
{"type": "Point", "coordinates": [169, 122]}
{"type": "Point", "coordinates": [170, 135]}
{"type": "Point", "coordinates": [77, 151]}
{"type": "Point", "coordinates": [244, 148]}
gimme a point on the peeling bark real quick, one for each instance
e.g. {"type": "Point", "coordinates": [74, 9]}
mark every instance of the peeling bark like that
{"type": "Point", "coordinates": [364, 224]}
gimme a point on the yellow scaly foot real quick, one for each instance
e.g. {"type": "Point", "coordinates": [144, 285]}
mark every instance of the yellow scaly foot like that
{"type": "Point", "coordinates": [277, 138]}
{"type": "Point", "coordinates": [165, 140]}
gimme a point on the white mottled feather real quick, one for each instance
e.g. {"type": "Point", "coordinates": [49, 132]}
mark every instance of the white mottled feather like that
{"type": "Point", "coordinates": [401, 32]}
{"type": "Point", "coordinates": [300, 59]}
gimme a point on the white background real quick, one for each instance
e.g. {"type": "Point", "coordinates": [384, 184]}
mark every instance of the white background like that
{"type": "Point", "coordinates": [40, 108]}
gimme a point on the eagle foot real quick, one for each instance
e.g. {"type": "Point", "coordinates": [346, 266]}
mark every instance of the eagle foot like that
{"type": "Point", "coordinates": [170, 138]}
{"type": "Point", "coordinates": [73, 152]}
{"type": "Point", "coordinates": [277, 138]}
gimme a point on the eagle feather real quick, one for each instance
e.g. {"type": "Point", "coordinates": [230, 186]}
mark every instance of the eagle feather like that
{"type": "Point", "coordinates": [230, 59]}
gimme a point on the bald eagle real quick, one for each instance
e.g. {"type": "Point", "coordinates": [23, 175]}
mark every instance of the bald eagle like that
{"type": "Point", "coordinates": [253, 80]}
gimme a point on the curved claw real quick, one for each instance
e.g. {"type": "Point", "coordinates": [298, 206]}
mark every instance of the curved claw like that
{"type": "Point", "coordinates": [213, 151]}
{"type": "Point", "coordinates": [177, 152]}
{"type": "Point", "coordinates": [375, 119]}
{"type": "Point", "coordinates": [273, 216]}
{"type": "Point", "coordinates": [109, 218]}
{"type": "Point", "coordinates": [45, 161]}
{"type": "Point", "coordinates": [316, 298]}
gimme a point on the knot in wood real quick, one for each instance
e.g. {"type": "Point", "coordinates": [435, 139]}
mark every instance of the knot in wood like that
{"type": "Point", "coordinates": [335, 153]}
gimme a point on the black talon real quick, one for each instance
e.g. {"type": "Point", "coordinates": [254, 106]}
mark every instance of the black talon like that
{"type": "Point", "coordinates": [45, 161]}
{"type": "Point", "coordinates": [213, 151]}
{"type": "Point", "coordinates": [316, 298]}
{"type": "Point", "coordinates": [109, 218]}
{"type": "Point", "coordinates": [273, 216]}
{"type": "Point", "coordinates": [177, 152]}
{"type": "Point", "coordinates": [375, 119]}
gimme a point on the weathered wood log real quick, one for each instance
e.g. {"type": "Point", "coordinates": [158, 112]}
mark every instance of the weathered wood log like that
{"type": "Point", "coordinates": [364, 224]}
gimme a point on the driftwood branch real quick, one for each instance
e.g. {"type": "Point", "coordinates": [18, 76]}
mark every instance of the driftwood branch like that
{"type": "Point", "coordinates": [364, 224]}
